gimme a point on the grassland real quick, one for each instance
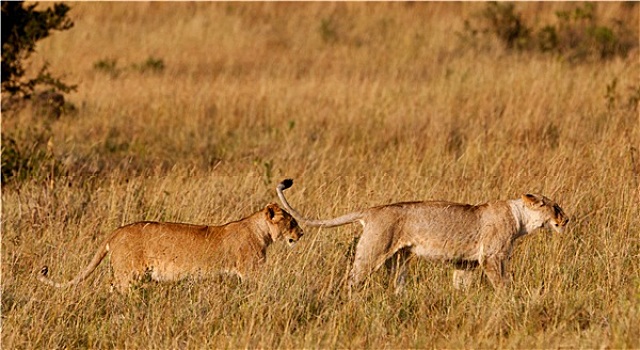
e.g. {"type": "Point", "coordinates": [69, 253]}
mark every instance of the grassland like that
{"type": "Point", "coordinates": [362, 104]}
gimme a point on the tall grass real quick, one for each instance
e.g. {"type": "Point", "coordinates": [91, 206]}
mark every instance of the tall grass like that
{"type": "Point", "coordinates": [362, 104]}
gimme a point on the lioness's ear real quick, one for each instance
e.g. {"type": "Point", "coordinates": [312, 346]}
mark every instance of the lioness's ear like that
{"type": "Point", "coordinates": [273, 211]}
{"type": "Point", "coordinates": [533, 200]}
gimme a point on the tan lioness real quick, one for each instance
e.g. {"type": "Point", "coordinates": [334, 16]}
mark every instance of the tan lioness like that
{"type": "Point", "coordinates": [466, 235]}
{"type": "Point", "coordinates": [167, 251]}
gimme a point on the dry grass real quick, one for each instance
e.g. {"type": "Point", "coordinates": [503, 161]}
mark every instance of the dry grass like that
{"type": "Point", "coordinates": [360, 103]}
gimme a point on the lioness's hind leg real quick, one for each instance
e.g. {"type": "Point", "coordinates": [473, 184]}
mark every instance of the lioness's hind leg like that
{"type": "Point", "coordinates": [126, 269]}
{"type": "Point", "coordinates": [373, 249]}
{"type": "Point", "coordinates": [124, 280]}
{"type": "Point", "coordinates": [397, 266]}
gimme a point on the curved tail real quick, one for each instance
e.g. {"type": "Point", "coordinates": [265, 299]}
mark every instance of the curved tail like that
{"type": "Point", "coordinates": [340, 220]}
{"type": "Point", "coordinates": [97, 258]}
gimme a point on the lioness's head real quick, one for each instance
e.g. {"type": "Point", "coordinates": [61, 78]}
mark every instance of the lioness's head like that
{"type": "Point", "coordinates": [283, 225]}
{"type": "Point", "coordinates": [545, 212]}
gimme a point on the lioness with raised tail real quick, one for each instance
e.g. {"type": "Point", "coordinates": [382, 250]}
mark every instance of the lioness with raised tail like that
{"type": "Point", "coordinates": [168, 251]}
{"type": "Point", "coordinates": [463, 234]}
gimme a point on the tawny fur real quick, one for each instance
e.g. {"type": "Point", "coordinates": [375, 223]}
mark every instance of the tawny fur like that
{"type": "Point", "coordinates": [172, 251]}
{"type": "Point", "coordinates": [465, 235]}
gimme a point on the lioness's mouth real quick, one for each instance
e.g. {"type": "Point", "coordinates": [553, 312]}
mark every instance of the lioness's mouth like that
{"type": "Point", "coordinates": [556, 227]}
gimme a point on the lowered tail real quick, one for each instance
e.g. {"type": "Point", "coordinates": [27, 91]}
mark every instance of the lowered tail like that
{"type": "Point", "coordinates": [341, 220]}
{"type": "Point", "coordinates": [97, 258]}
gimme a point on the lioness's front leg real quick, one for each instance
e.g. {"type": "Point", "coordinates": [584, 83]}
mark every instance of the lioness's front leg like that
{"type": "Point", "coordinates": [463, 275]}
{"type": "Point", "coordinates": [462, 279]}
{"type": "Point", "coordinates": [495, 268]}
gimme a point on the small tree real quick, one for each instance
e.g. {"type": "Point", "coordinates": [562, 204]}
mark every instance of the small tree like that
{"type": "Point", "coordinates": [22, 27]}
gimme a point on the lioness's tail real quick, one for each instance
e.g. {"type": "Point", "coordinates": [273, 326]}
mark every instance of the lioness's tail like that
{"type": "Point", "coordinates": [97, 258]}
{"type": "Point", "coordinates": [340, 220]}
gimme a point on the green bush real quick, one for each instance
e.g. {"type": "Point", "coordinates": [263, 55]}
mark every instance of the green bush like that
{"type": "Point", "coordinates": [507, 25]}
{"type": "Point", "coordinates": [576, 35]}
{"type": "Point", "coordinates": [13, 162]}
{"type": "Point", "coordinates": [107, 65]}
{"type": "Point", "coordinates": [28, 157]}
{"type": "Point", "coordinates": [153, 65]}
{"type": "Point", "coordinates": [328, 31]}
{"type": "Point", "coordinates": [110, 66]}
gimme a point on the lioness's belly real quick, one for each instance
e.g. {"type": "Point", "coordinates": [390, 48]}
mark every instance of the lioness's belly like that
{"type": "Point", "coordinates": [164, 272]}
{"type": "Point", "coordinates": [446, 249]}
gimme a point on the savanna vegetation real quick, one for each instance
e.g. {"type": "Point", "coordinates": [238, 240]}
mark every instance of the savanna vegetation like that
{"type": "Point", "coordinates": [194, 112]}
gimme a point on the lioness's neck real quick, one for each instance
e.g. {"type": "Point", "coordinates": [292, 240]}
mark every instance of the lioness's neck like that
{"type": "Point", "coordinates": [263, 230]}
{"type": "Point", "coordinates": [520, 214]}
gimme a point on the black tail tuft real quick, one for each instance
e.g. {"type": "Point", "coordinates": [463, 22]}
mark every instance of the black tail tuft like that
{"type": "Point", "coordinates": [286, 183]}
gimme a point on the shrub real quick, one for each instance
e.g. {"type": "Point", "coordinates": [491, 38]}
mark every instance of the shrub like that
{"type": "Point", "coordinates": [577, 35]}
{"type": "Point", "coordinates": [13, 162]}
{"type": "Point", "coordinates": [107, 65]}
{"type": "Point", "coordinates": [153, 65]}
{"type": "Point", "coordinates": [22, 27]}
{"type": "Point", "coordinates": [328, 31]}
{"type": "Point", "coordinates": [28, 157]}
{"type": "Point", "coordinates": [507, 25]}
{"type": "Point", "coordinates": [110, 66]}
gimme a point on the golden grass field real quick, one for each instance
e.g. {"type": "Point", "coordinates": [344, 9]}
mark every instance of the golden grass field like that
{"type": "Point", "coordinates": [361, 104]}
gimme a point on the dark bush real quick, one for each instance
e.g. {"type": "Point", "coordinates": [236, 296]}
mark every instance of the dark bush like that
{"type": "Point", "coordinates": [27, 156]}
{"type": "Point", "coordinates": [153, 65]}
{"type": "Point", "coordinates": [107, 65]}
{"type": "Point", "coordinates": [507, 24]}
{"type": "Point", "coordinates": [22, 27]}
{"type": "Point", "coordinates": [576, 35]}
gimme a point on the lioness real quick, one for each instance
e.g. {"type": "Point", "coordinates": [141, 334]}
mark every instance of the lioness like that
{"type": "Point", "coordinates": [168, 251]}
{"type": "Point", "coordinates": [466, 235]}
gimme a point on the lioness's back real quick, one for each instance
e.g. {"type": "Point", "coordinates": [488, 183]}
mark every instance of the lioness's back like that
{"type": "Point", "coordinates": [164, 237]}
{"type": "Point", "coordinates": [431, 218]}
